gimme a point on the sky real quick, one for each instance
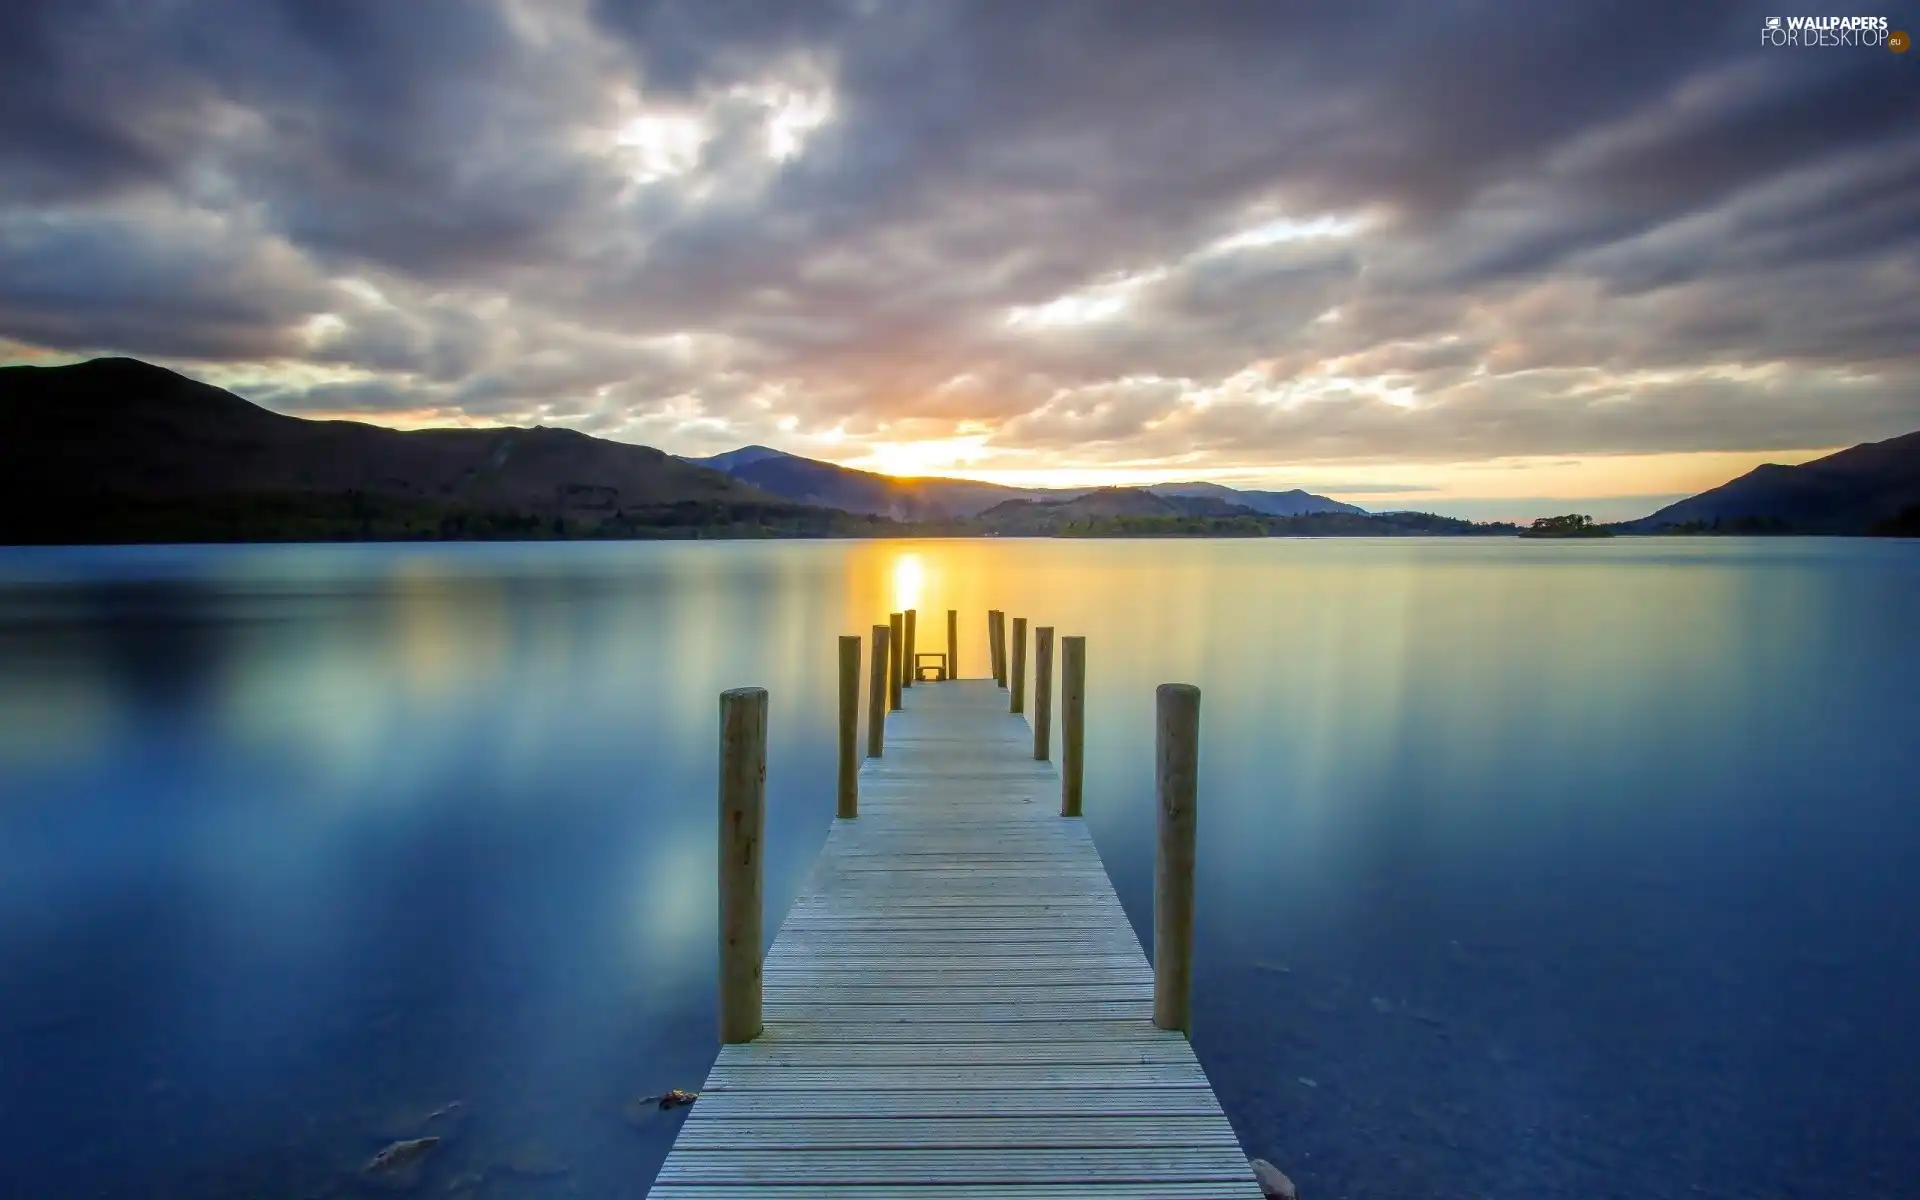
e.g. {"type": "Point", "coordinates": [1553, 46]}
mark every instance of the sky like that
{"type": "Point", "coordinates": [1490, 260]}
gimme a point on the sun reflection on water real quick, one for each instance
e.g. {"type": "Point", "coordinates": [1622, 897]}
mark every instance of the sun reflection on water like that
{"type": "Point", "coordinates": [909, 577]}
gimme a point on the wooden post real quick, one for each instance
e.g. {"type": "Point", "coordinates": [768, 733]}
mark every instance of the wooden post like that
{"type": "Point", "coordinates": [877, 693]}
{"type": "Point", "coordinates": [953, 644]}
{"type": "Point", "coordinates": [993, 657]}
{"type": "Point", "coordinates": [1042, 691]}
{"type": "Point", "coordinates": [913, 662]}
{"type": "Point", "coordinates": [1073, 722]}
{"type": "Point", "coordinates": [1176, 773]}
{"type": "Point", "coordinates": [849, 726]}
{"type": "Point", "coordinates": [897, 642]}
{"type": "Point", "coordinates": [1000, 647]}
{"type": "Point", "coordinates": [1019, 665]}
{"type": "Point", "coordinates": [743, 819]}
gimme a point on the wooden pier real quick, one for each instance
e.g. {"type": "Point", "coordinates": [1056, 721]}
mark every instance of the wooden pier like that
{"type": "Point", "coordinates": [956, 1005]}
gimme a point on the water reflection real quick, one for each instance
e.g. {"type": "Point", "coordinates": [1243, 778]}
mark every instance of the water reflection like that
{"type": "Point", "coordinates": [1575, 868]}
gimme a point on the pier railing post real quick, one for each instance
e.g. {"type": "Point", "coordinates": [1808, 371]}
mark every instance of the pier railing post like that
{"type": "Point", "coordinates": [1176, 780]}
{"type": "Point", "coordinates": [849, 792]}
{"type": "Point", "coordinates": [877, 694]}
{"type": "Point", "coordinates": [913, 662]}
{"type": "Point", "coordinates": [1000, 647]}
{"type": "Point", "coordinates": [1043, 692]}
{"type": "Point", "coordinates": [993, 644]}
{"type": "Point", "coordinates": [1073, 722]}
{"type": "Point", "coordinates": [743, 816]}
{"type": "Point", "coordinates": [1019, 703]}
{"type": "Point", "coordinates": [896, 662]}
{"type": "Point", "coordinates": [953, 644]}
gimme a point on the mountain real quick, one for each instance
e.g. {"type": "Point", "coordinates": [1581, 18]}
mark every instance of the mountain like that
{"type": "Point", "coordinates": [810, 481]}
{"type": "Point", "coordinates": [1143, 512]}
{"type": "Point", "coordinates": [1853, 491]}
{"type": "Point", "coordinates": [1032, 517]}
{"type": "Point", "coordinates": [1293, 503]}
{"type": "Point", "coordinates": [120, 450]}
{"type": "Point", "coordinates": [734, 460]}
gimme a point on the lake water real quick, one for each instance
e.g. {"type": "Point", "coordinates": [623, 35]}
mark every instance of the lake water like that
{"type": "Point", "coordinates": [1526, 869]}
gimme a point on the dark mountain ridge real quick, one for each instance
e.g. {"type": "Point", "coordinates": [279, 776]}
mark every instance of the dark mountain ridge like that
{"type": "Point", "coordinates": [1862, 489]}
{"type": "Point", "coordinates": [1036, 517]}
{"type": "Point", "coordinates": [925, 498]}
{"type": "Point", "coordinates": [116, 448]}
{"type": "Point", "coordinates": [1294, 502]}
{"type": "Point", "coordinates": [829, 485]}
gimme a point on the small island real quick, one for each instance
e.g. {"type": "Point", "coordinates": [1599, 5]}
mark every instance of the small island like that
{"type": "Point", "coordinates": [1570, 526]}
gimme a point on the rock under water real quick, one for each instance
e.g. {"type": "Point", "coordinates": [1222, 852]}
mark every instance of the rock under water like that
{"type": "Point", "coordinates": [1274, 1184]}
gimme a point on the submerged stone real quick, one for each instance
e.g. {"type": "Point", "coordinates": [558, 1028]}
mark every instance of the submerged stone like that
{"type": "Point", "coordinates": [1274, 1184]}
{"type": "Point", "coordinates": [398, 1166]}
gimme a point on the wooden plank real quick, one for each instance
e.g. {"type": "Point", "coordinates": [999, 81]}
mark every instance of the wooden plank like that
{"type": "Point", "coordinates": [1165, 1190]}
{"type": "Point", "coordinates": [781, 1008]}
{"type": "Point", "coordinates": [1033, 972]}
{"type": "Point", "coordinates": [853, 1033]}
{"type": "Point", "coordinates": [1030, 1102]}
{"type": "Point", "coordinates": [992, 1054]}
{"type": "Point", "coordinates": [956, 1004]}
{"type": "Point", "coordinates": [934, 1133]}
{"type": "Point", "coordinates": [1000, 1076]}
{"type": "Point", "coordinates": [1085, 1165]}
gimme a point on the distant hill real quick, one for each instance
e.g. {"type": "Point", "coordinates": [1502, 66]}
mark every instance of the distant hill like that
{"type": "Point", "coordinates": [1860, 490]}
{"type": "Point", "coordinates": [811, 481]}
{"type": "Point", "coordinates": [1141, 512]}
{"type": "Point", "coordinates": [1293, 503]}
{"type": "Point", "coordinates": [120, 450]}
{"type": "Point", "coordinates": [1034, 517]}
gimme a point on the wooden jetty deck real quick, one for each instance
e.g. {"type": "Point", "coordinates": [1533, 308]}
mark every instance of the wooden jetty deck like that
{"type": "Point", "coordinates": [956, 1005]}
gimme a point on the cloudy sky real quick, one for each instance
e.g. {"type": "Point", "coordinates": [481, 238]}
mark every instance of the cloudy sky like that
{"type": "Point", "coordinates": [1477, 258]}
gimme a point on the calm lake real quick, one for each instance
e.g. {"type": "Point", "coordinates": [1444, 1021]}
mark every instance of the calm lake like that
{"type": "Point", "coordinates": [1526, 869]}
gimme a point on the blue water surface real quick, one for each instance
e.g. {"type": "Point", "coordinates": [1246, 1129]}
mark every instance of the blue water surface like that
{"type": "Point", "coordinates": [1526, 869]}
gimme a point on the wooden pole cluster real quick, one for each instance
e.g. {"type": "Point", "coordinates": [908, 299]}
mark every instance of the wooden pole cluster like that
{"type": "Point", "coordinates": [743, 816]}
{"type": "Point", "coordinates": [849, 791]}
{"type": "Point", "coordinates": [1073, 722]}
{"type": "Point", "coordinates": [913, 667]}
{"type": "Point", "coordinates": [897, 640]}
{"type": "Point", "coordinates": [877, 694]}
{"type": "Point", "coordinates": [1043, 692]}
{"type": "Point", "coordinates": [953, 644]}
{"type": "Point", "coordinates": [1176, 755]}
{"type": "Point", "coordinates": [1019, 701]}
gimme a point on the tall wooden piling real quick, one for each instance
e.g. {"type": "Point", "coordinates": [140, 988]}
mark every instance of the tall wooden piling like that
{"type": "Point", "coordinates": [1000, 647]}
{"type": "Point", "coordinates": [913, 663]}
{"type": "Point", "coordinates": [993, 644]}
{"type": "Point", "coordinates": [953, 644]}
{"type": "Point", "coordinates": [849, 793]}
{"type": "Point", "coordinates": [877, 693]}
{"type": "Point", "coordinates": [743, 818]}
{"type": "Point", "coordinates": [1176, 780]}
{"type": "Point", "coordinates": [1043, 692]}
{"type": "Point", "coordinates": [1073, 722]}
{"type": "Point", "coordinates": [1019, 702]}
{"type": "Point", "coordinates": [896, 663]}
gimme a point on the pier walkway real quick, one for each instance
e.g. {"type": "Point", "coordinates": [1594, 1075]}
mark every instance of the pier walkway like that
{"type": "Point", "coordinates": [956, 1006]}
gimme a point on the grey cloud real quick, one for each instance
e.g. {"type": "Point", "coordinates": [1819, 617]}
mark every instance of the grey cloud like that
{"type": "Point", "coordinates": [1552, 192]}
{"type": "Point", "coordinates": [152, 280]}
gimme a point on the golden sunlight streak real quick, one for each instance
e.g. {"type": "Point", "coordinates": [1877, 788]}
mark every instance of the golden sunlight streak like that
{"type": "Point", "coordinates": [933, 456]}
{"type": "Point", "coordinates": [908, 580]}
